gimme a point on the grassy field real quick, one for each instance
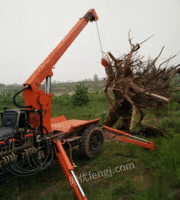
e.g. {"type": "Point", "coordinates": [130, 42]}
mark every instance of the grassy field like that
{"type": "Point", "coordinates": [121, 171]}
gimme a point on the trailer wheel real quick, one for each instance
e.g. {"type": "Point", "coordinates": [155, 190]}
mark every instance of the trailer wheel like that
{"type": "Point", "coordinates": [91, 141]}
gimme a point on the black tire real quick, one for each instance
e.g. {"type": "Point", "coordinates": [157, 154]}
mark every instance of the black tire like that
{"type": "Point", "coordinates": [91, 141]}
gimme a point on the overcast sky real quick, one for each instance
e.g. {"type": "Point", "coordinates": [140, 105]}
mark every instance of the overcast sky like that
{"type": "Point", "coordinates": [31, 29]}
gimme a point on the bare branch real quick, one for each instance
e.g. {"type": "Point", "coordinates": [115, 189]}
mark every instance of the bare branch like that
{"type": "Point", "coordinates": [146, 39]}
{"type": "Point", "coordinates": [167, 60]}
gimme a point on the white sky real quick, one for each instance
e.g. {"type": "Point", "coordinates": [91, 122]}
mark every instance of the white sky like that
{"type": "Point", "coordinates": [31, 29]}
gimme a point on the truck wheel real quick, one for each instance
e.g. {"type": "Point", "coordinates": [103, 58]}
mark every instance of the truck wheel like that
{"type": "Point", "coordinates": [91, 141]}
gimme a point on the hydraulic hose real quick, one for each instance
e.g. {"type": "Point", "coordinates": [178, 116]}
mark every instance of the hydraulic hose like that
{"type": "Point", "coordinates": [23, 172]}
{"type": "Point", "coordinates": [14, 100]}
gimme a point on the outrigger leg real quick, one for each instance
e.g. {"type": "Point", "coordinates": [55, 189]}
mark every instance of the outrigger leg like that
{"type": "Point", "coordinates": [126, 137]}
{"type": "Point", "coordinates": [68, 170]}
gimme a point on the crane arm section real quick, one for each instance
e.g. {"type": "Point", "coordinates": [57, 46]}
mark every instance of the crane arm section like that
{"type": "Point", "coordinates": [45, 69]}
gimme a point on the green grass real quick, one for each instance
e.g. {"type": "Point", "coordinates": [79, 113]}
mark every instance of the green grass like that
{"type": "Point", "coordinates": [97, 107]}
{"type": "Point", "coordinates": [156, 174]}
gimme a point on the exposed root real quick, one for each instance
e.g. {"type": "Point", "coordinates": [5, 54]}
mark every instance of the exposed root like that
{"type": "Point", "coordinates": [134, 83]}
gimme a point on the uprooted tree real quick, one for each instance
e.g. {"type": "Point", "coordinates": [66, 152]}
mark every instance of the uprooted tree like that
{"type": "Point", "coordinates": [136, 85]}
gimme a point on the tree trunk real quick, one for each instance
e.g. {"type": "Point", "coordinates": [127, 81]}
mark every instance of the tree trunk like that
{"type": "Point", "coordinates": [123, 111]}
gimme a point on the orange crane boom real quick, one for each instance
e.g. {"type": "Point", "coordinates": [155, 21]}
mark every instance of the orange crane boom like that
{"type": "Point", "coordinates": [38, 99]}
{"type": "Point", "coordinates": [45, 69]}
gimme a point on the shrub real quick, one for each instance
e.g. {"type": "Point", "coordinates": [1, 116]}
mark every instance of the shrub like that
{"type": "Point", "coordinates": [80, 97]}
